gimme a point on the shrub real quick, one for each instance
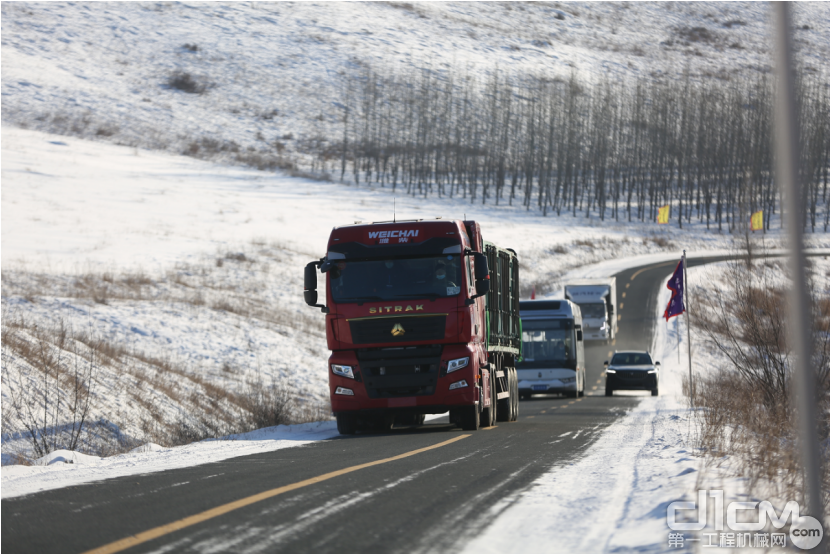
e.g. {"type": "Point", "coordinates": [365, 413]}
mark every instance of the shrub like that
{"type": "Point", "coordinates": [185, 82]}
{"type": "Point", "coordinates": [746, 403]}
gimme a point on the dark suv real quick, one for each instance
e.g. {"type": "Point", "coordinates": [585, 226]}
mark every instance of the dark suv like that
{"type": "Point", "coordinates": [632, 370]}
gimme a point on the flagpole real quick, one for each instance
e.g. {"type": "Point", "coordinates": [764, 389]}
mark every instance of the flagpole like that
{"type": "Point", "coordinates": [688, 326]}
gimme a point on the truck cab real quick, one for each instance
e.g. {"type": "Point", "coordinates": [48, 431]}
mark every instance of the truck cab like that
{"type": "Point", "coordinates": [553, 350]}
{"type": "Point", "coordinates": [406, 323]}
{"type": "Point", "coordinates": [597, 300]}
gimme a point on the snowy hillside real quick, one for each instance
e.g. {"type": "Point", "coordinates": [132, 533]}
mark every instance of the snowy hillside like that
{"type": "Point", "coordinates": [272, 75]}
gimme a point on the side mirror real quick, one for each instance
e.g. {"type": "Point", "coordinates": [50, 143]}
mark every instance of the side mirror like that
{"type": "Point", "coordinates": [482, 269]}
{"type": "Point", "coordinates": [605, 363]}
{"type": "Point", "coordinates": [310, 286]}
{"type": "Point", "coordinates": [657, 364]}
{"type": "Point", "coordinates": [579, 335]}
{"type": "Point", "coordinates": [310, 279]}
{"type": "Point", "coordinates": [482, 287]}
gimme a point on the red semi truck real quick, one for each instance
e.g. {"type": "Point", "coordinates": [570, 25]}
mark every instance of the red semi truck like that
{"type": "Point", "coordinates": [422, 317]}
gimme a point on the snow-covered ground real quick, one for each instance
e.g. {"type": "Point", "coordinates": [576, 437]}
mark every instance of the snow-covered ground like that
{"type": "Point", "coordinates": [275, 71]}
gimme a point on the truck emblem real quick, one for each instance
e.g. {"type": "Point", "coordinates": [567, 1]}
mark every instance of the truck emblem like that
{"type": "Point", "coordinates": [398, 330]}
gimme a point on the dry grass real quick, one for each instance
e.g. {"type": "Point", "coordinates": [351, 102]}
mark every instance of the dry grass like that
{"type": "Point", "coordinates": [745, 405]}
{"type": "Point", "coordinates": [175, 402]}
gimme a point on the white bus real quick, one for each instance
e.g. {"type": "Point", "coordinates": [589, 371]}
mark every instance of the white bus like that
{"type": "Point", "coordinates": [553, 351]}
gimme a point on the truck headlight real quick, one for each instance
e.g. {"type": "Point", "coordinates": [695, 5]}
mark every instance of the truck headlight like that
{"type": "Point", "coordinates": [652, 371]}
{"type": "Point", "coordinates": [340, 370]}
{"type": "Point", "coordinates": [457, 364]}
{"type": "Point", "coordinates": [343, 391]}
{"type": "Point", "coordinates": [609, 371]}
{"type": "Point", "coordinates": [458, 385]}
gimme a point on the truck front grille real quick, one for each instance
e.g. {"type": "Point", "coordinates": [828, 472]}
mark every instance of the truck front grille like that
{"type": "Point", "coordinates": [398, 329]}
{"type": "Point", "coordinates": [400, 372]}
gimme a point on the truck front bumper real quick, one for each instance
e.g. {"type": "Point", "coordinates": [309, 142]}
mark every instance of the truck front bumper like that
{"type": "Point", "coordinates": [370, 392]}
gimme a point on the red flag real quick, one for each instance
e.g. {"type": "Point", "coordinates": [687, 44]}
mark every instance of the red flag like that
{"type": "Point", "coordinates": [533, 293]}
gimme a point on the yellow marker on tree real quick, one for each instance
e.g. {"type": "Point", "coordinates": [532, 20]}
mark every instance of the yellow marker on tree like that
{"type": "Point", "coordinates": [757, 221]}
{"type": "Point", "coordinates": [663, 214]}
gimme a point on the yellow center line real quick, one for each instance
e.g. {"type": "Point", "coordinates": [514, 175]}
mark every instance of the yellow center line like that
{"type": "Point", "coordinates": [542, 412]}
{"type": "Point", "coordinates": [593, 388]}
{"type": "Point", "coordinates": [490, 428]}
{"type": "Point", "coordinates": [623, 296]}
{"type": "Point", "coordinates": [627, 285]}
{"type": "Point", "coordinates": [153, 533]}
{"type": "Point", "coordinates": [531, 417]}
{"type": "Point", "coordinates": [622, 305]}
{"type": "Point", "coordinates": [572, 402]}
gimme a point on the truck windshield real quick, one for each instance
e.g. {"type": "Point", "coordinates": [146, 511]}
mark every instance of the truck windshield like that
{"type": "Point", "coordinates": [547, 340]}
{"type": "Point", "coordinates": [396, 278]}
{"type": "Point", "coordinates": [593, 310]}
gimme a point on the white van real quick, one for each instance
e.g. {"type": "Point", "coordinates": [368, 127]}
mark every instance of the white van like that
{"type": "Point", "coordinates": [553, 351]}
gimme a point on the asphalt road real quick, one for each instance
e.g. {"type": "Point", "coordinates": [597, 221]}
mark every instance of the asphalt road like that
{"type": "Point", "coordinates": [313, 499]}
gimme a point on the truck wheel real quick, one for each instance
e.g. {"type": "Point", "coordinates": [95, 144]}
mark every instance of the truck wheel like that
{"type": "Point", "coordinates": [514, 395]}
{"type": "Point", "coordinates": [346, 424]}
{"type": "Point", "coordinates": [494, 398]}
{"type": "Point", "coordinates": [488, 415]}
{"type": "Point", "coordinates": [468, 418]}
{"type": "Point", "coordinates": [505, 406]}
{"type": "Point", "coordinates": [609, 392]}
{"type": "Point", "coordinates": [655, 392]}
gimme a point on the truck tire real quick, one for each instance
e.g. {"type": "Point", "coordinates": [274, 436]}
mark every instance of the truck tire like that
{"type": "Point", "coordinates": [514, 395]}
{"type": "Point", "coordinates": [655, 392]}
{"type": "Point", "coordinates": [489, 414]}
{"type": "Point", "coordinates": [494, 401]}
{"type": "Point", "coordinates": [468, 418]}
{"type": "Point", "coordinates": [609, 392]}
{"type": "Point", "coordinates": [346, 424]}
{"type": "Point", "coordinates": [505, 406]}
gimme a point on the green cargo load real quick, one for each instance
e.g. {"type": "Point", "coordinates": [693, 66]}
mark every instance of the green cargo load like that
{"type": "Point", "coordinates": [504, 326]}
